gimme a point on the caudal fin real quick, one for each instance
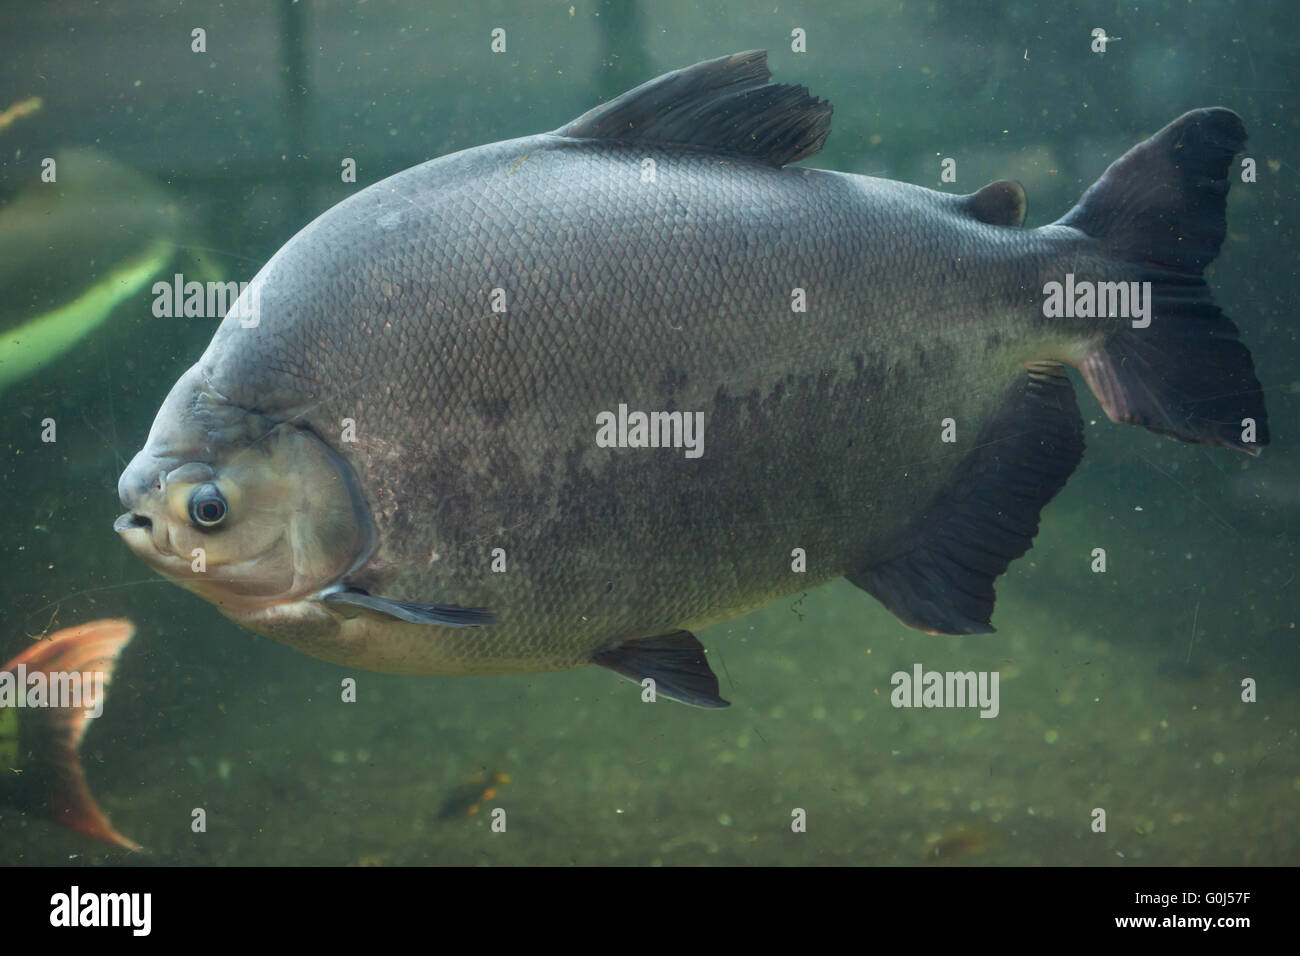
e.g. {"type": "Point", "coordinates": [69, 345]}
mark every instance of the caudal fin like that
{"type": "Point", "coordinates": [49, 752]}
{"type": "Point", "coordinates": [1161, 206]}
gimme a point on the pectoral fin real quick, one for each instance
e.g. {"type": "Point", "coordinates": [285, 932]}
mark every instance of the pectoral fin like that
{"type": "Point", "coordinates": [444, 615]}
{"type": "Point", "coordinates": [675, 662]}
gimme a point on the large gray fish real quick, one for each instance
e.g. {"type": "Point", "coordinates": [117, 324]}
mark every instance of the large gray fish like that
{"type": "Point", "coordinates": [394, 452]}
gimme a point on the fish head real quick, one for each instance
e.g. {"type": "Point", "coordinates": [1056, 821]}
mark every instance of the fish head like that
{"type": "Point", "coordinates": [256, 516]}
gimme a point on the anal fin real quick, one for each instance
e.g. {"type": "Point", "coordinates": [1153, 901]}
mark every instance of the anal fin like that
{"type": "Point", "coordinates": [988, 515]}
{"type": "Point", "coordinates": [675, 662]}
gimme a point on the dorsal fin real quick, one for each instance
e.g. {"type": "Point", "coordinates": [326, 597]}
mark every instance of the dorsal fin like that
{"type": "Point", "coordinates": [726, 105]}
{"type": "Point", "coordinates": [1000, 203]}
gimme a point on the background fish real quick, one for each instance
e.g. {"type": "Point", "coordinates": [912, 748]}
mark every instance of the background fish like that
{"type": "Point", "coordinates": [348, 465]}
{"type": "Point", "coordinates": [40, 747]}
{"type": "Point", "coordinates": [100, 220]}
{"type": "Point", "coordinates": [466, 799]}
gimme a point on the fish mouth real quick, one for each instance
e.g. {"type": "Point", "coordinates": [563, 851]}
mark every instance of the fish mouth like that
{"type": "Point", "coordinates": [143, 536]}
{"type": "Point", "coordinates": [132, 521]}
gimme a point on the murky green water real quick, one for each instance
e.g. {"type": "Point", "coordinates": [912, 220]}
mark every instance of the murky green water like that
{"type": "Point", "coordinates": [1120, 690]}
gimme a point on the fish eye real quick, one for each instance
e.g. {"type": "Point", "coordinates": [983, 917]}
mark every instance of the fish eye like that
{"type": "Point", "coordinates": [207, 506]}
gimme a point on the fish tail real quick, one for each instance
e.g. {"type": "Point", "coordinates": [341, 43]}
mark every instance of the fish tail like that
{"type": "Point", "coordinates": [1158, 212]}
{"type": "Point", "coordinates": [51, 776]}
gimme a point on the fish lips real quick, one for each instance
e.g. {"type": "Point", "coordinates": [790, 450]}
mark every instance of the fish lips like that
{"type": "Point", "coordinates": [144, 537]}
{"type": "Point", "coordinates": [132, 522]}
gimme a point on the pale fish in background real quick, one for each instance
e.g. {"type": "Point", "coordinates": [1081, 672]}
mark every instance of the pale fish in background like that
{"type": "Point", "coordinates": [73, 251]}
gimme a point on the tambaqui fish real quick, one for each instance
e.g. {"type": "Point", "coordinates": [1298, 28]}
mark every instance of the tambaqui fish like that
{"type": "Point", "coordinates": [396, 451]}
